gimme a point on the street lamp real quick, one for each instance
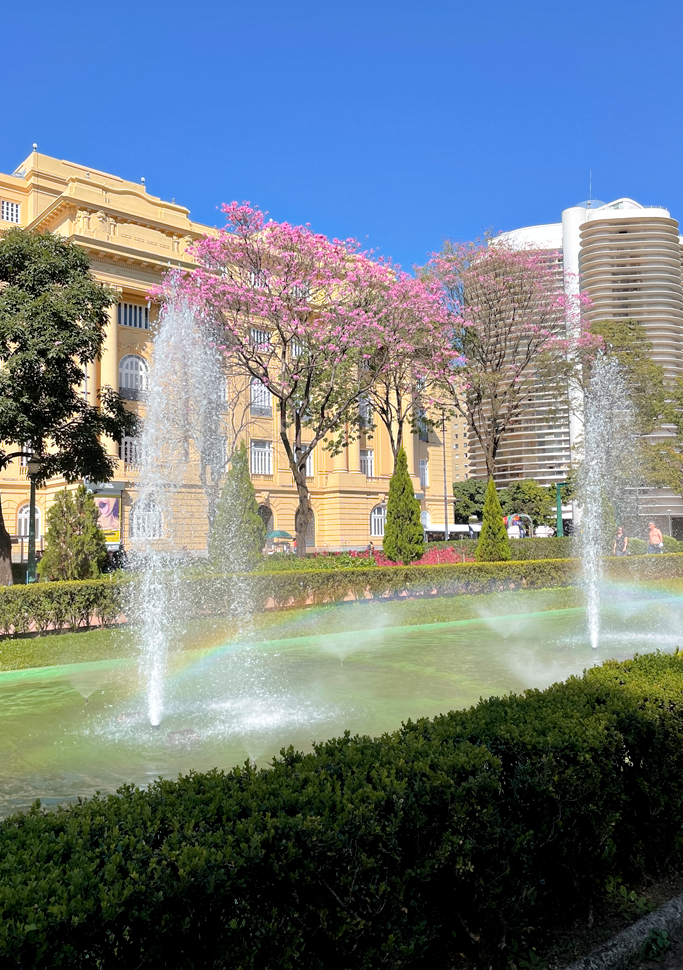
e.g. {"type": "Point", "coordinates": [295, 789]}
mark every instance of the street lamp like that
{"type": "Point", "coordinates": [558, 497]}
{"type": "Point", "coordinates": [33, 467]}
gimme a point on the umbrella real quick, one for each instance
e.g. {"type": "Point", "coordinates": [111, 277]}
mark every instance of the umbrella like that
{"type": "Point", "coordinates": [278, 534]}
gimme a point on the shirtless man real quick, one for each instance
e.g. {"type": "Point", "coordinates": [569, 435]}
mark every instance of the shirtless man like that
{"type": "Point", "coordinates": [655, 539]}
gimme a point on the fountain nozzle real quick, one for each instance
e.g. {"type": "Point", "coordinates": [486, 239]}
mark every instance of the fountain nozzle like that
{"type": "Point", "coordinates": [155, 727]}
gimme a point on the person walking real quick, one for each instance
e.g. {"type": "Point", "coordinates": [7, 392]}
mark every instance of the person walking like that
{"type": "Point", "coordinates": [620, 543]}
{"type": "Point", "coordinates": [655, 539]}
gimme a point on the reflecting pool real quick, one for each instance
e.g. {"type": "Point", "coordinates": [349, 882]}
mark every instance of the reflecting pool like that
{"type": "Point", "coordinates": [73, 729]}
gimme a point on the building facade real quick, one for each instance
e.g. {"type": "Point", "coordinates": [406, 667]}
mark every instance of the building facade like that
{"type": "Point", "coordinates": [132, 239]}
{"type": "Point", "coordinates": [627, 258]}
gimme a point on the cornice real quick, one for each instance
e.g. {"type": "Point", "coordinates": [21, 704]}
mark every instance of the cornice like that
{"type": "Point", "coordinates": [118, 215]}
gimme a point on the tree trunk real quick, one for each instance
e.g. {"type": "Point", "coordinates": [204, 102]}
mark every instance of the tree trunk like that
{"type": "Point", "coordinates": [5, 553]}
{"type": "Point", "coordinates": [302, 517]}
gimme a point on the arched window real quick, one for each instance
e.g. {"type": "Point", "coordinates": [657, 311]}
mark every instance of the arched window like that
{"type": "Point", "coordinates": [146, 520]}
{"type": "Point", "coordinates": [378, 518]}
{"type": "Point", "coordinates": [22, 520]}
{"type": "Point", "coordinates": [267, 516]}
{"type": "Point", "coordinates": [133, 376]}
{"type": "Point", "coordinates": [426, 520]}
{"type": "Point", "coordinates": [260, 398]}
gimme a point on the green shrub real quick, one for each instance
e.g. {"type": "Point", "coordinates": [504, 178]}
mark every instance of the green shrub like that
{"type": "Point", "coordinates": [447, 837]}
{"type": "Point", "coordinates": [74, 544]}
{"type": "Point", "coordinates": [671, 544]}
{"type": "Point", "coordinates": [403, 533]}
{"type": "Point", "coordinates": [493, 545]}
{"type": "Point", "coordinates": [637, 547]}
{"type": "Point", "coordinates": [238, 531]}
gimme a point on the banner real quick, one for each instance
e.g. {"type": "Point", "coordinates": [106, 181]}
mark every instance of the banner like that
{"type": "Point", "coordinates": [109, 518]}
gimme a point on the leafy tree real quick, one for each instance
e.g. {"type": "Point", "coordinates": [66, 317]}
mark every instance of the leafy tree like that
{"type": "Point", "coordinates": [403, 532]}
{"type": "Point", "coordinates": [469, 499]}
{"type": "Point", "coordinates": [529, 497]}
{"type": "Point", "coordinates": [238, 531]}
{"type": "Point", "coordinates": [75, 547]}
{"type": "Point", "coordinates": [303, 317]}
{"type": "Point", "coordinates": [53, 317]}
{"type": "Point", "coordinates": [510, 326]}
{"type": "Point", "coordinates": [493, 545]}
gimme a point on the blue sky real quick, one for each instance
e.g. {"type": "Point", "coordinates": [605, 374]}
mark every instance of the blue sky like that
{"type": "Point", "coordinates": [398, 123]}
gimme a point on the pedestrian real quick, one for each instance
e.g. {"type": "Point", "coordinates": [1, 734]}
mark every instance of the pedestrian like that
{"type": "Point", "coordinates": [655, 539]}
{"type": "Point", "coordinates": [620, 543]}
{"type": "Point", "coordinates": [370, 548]}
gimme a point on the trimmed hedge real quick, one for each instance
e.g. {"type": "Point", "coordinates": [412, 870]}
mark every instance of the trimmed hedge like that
{"type": "Point", "coordinates": [431, 847]}
{"type": "Point", "coordinates": [44, 606]}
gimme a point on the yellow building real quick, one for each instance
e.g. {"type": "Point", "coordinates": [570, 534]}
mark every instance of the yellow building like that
{"type": "Point", "coordinates": [132, 238]}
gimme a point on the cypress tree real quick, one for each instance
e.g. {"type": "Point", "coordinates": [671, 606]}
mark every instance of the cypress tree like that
{"type": "Point", "coordinates": [238, 531]}
{"type": "Point", "coordinates": [493, 545]}
{"type": "Point", "coordinates": [403, 533]}
{"type": "Point", "coordinates": [75, 547]}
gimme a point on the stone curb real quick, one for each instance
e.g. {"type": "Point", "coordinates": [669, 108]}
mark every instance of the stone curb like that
{"type": "Point", "coordinates": [618, 952]}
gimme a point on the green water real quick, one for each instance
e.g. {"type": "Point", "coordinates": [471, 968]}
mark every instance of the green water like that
{"type": "Point", "coordinates": [72, 729]}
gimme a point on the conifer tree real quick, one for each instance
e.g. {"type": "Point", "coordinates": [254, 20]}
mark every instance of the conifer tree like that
{"type": "Point", "coordinates": [403, 532]}
{"type": "Point", "coordinates": [493, 545]}
{"type": "Point", "coordinates": [75, 547]}
{"type": "Point", "coordinates": [238, 532]}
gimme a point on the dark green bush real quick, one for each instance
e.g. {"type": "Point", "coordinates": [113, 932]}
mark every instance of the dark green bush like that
{"type": "Point", "coordinates": [447, 837]}
{"type": "Point", "coordinates": [196, 593]}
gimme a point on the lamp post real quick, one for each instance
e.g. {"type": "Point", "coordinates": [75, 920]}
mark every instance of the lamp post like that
{"type": "Point", "coordinates": [445, 477]}
{"type": "Point", "coordinates": [33, 467]}
{"type": "Point", "coordinates": [558, 495]}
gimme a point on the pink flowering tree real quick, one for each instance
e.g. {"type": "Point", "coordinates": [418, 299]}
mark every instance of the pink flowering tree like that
{"type": "Point", "coordinates": [301, 317]}
{"type": "Point", "coordinates": [515, 330]}
{"type": "Point", "coordinates": [420, 346]}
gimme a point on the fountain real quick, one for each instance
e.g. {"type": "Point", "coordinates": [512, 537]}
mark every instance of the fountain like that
{"type": "Point", "coordinates": [608, 469]}
{"type": "Point", "coordinates": [215, 696]}
{"type": "Point", "coordinates": [180, 427]}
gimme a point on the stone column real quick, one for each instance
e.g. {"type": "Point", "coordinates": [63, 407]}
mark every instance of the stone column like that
{"type": "Point", "coordinates": [109, 364]}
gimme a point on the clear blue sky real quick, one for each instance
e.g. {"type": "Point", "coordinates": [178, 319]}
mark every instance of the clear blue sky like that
{"type": "Point", "coordinates": [399, 123]}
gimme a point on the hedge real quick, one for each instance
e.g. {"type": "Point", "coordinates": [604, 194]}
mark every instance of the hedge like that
{"type": "Point", "coordinates": [435, 846]}
{"type": "Point", "coordinates": [193, 593]}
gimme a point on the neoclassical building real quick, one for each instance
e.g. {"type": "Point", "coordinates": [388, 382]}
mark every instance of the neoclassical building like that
{"type": "Point", "coordinates": [132, 239]}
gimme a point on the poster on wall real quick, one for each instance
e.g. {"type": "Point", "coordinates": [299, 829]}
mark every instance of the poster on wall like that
{"type": "Point", "coordinates": [107, 498]}
{"type": "Point", "coordinates": [109, 518]}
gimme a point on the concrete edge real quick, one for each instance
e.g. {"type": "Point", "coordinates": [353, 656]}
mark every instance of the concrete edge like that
{"type": "Point", "coordinates": [618, 952]}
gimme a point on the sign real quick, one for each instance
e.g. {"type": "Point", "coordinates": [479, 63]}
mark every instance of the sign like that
{"type": "Point", "coordinates": [107, 498]}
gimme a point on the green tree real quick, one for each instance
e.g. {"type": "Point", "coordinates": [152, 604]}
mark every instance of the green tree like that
{"type": "Point", "coordinates": [53, 317]}
{"type": "Point", "coordinates": [469, 499]}
{"type": "Point", "coordinates": [75, 547]}
{"type": "Point", "coordinates": [529, 497]}
{"type": "Point", "coordinates": [493, 545]}
{"type": "Point", "coordinates": [238, 531]}
{"type": "Point", "coordinates": [403, 533]}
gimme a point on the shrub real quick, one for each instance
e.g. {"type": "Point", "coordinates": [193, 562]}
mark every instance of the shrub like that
{"type": "Point", "coordinates": [74, 546]}
{"type": "Point", "coordinates": [671, 544]}
{"type": "Point", "coordinates": [403, 533]}
{"type": "Point", "coordinates": [493, 545]}
{"type": "Point", "coordinates": [447, 837]}
{"type": "Point", "coordinates": [238, 531]}
{"type": "Point", "coordinates": [637, 547]}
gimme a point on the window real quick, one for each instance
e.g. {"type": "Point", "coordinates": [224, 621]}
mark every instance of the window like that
{"type": "Point", "coordinates": [22, 521]}
{"type": "Point", "coordinates": [133, 377]}
{"type": "Point", "coordinates": [367, 462]}
{"type": "Point", "coordinates": [301, 291]}
{"type": "Point", "coordinates": [422, 426]}
{"type": "Point", "coordinates": [130, 452]}
{"type": "Point", "coordinates": [378, 518]}
{"type": "Point", "coordinates": [27, 448]}
{"type": "Point", "coordinates": [9, 211]}
{"type": "Point", "coordinates": [261, 457]}
{"type": "Point", "coordinates": [258, 279]}
{"type": "Point", "coordinates": [295, 347]}
{"type": "Point", "coordinates": [309, 466]}
{"type": "Point", "coordinates": [132, 315]}
{"type": "Point", "coordinates": [146, 520]}
{"type": "Point", "coordinates": [364, 412]}
{"type": "Point", "coordinates": [424, 473]}
{"type": "Point", "coordinates": [260, 398]}
{"type": "Point", "coordinates": [259, 338]}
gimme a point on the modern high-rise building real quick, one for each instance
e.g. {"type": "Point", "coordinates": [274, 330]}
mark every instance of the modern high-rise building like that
{"type": "Point", "coordinates": [627, 258]}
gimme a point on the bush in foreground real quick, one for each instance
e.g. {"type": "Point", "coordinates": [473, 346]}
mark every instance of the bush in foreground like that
{"type": "Point", "coordinates": [428, 847]}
